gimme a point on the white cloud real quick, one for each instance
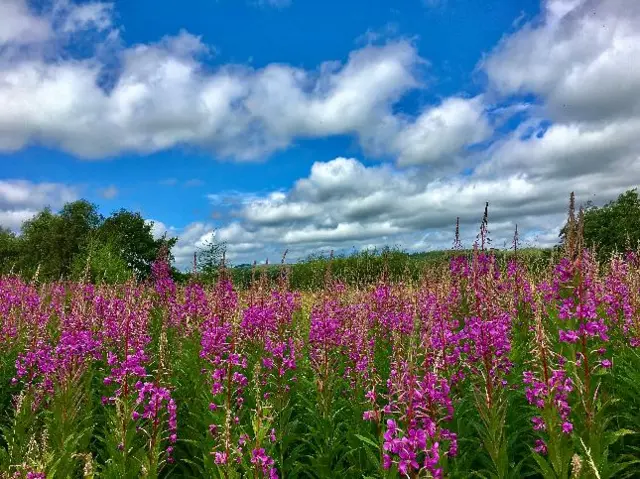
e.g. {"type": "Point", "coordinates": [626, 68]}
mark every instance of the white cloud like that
{"type": "Point", "coordinates": [21, 200]}
{"type": "Point", "coordinates": [441, 132]}
{"type": "Point", "coordinates": [18, 25]}
{"type": "Point", "coordinates": [578, 59]}
{"type": "Point", "coordinates": [568, 150]}
{"type": "Point", "coordinates": [13, 219]}
{"type": "Point", "coordinates": [159, 229]}
{"type": "Point", "coordinates": [96, 15]}
{"type": "Point", "coordinates": [580, 56]}
{"type": "Point", "coordinates": [195, 236]}
{"type": "Point", "coordinates": [164, 95]}
{"type": "Point", "coordinates": [344, 204]}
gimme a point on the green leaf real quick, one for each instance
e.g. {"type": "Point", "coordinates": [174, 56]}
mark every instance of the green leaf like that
{"type": "Point", "coordinates": [367, 441]}
{"type": "Point", "coordinates": [545, 469]}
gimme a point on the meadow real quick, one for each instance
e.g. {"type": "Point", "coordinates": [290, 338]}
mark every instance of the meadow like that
{"type": "Point", "coordinates": [473, 368]}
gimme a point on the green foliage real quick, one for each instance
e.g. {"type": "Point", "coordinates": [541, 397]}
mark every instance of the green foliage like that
{"type": "Point", "coordinates": [77, 221]}
{"type": "Point", "coordinates": [614, 226]}
{"type": "Point", "coordinates": [101, 263]}
{"type": "Point", "coordinates": [63, 245]}
{"type": "Point", "coordinates": [23, 448]}
{"type": "Point", "coordinates": [121, 448]}
{"type": "Point", "coordinates": [132, 237]}
{"type": "Point", "coordinates": [50, 242]}
{"type": "Point", "coordinates": [210, 258]}
{"type": "Point", "coordinates": [9, 251]}
{"type": "Point", "coordinates": [365, 268]}
{"type": "Point", "coordinates": [69, 424]}
{"type": "Point", "coordinates": [41, 238]}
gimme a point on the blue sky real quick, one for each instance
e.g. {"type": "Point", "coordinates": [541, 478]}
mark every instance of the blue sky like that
{"type": "Point", "coordinates": [311, 126]}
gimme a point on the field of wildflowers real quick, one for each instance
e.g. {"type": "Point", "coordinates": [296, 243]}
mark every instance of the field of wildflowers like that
{"type": "Point", "coordinates": [477, 370]}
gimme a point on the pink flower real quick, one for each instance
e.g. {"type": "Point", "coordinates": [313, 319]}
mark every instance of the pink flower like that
{"type": "Point", "coordinates": [540, 447]}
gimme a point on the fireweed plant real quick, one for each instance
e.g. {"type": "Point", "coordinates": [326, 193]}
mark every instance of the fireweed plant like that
{"type": "Point", "coordinates": [481, 369]}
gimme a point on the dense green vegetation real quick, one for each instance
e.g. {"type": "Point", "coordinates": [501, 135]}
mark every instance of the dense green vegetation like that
{"type": "Point", "coordinates": [78, 242]}
{"type": "Point", "coordinates": [366, 267]}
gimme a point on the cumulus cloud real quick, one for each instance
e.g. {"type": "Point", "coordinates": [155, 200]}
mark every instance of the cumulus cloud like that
{"type": "Point", "coordinates": [18, 25]}
{"type": "Point", "coordinates": [164, 94]}
{"type": "Point", "coordinates": [195, 236]}
{"type": "Point", "coordinates": [582, 134]}
{"type": "Point", "coordinates": [578, 59]}
{"type": "Point", "coordinates": [443, 131]}
{"type": "Point", "coordinates": [343, 203]}
{"type": "Point", "coordinates": [96, 15]}
{"type": "Point", "coordinates": [21, 200]}
{"type": "Point", "coordinates": [579, 56]}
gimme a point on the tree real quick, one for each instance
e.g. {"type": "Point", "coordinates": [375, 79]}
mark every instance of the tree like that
{"type": "Point", "coordinates": [101, 263]}
{"type": "Point", "coordinates": [9, 251]}
{"type": "Point", "coordinates": [132, 237]}
{"type": "Point", "coordinates": [63, 245]}
{"type": "Point", "coordinates": [51, 241]}
{"type": "Point", "coordinates": [40, 248]}
{"type": "Point", "coordinates": [612, 227]}
{"type": "Point", "coordinates": [211, 256]}
{"type": "Point", "coordinates": [78, 221]}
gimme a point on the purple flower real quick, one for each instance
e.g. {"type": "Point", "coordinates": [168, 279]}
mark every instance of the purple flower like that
{"type": "Point", "coordinates": [540, 447]}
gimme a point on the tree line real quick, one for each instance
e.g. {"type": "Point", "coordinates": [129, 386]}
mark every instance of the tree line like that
{"type": "Point", "coordinates": [79, 243]}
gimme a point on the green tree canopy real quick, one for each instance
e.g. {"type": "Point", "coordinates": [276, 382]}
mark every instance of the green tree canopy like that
{"type": "Point", "coordinates": [101, 263]}
{"type": "Point", "coordinates": [52, 241]}
{"type": "Point", "coordinates": [131, 236]}
{"type": "Point", "coordinates": [78, 221]}
{"type": "Point", "coordinates": [40, 245]}
{"type": "Point", "coordinates": [210, 257]}
{"type": "Point", "coordinates": [79, 240]}
{"type": "Point", "coordinates": [614, 226]}
{"type": "Point", "coordinates": [9, 250]}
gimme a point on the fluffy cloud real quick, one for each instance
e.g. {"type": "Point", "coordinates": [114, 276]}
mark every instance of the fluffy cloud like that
{"type": "Point", "coordinates": [95, 15]}
{"type": "Point", "coordinates": [578, 60]}
{"type": "Point", "coordinates": [21, 200]}
{"type": "Point", "coordinates": [343, 204]}
{"type": "Point", "coordinates": [196, 236]}
{"type": "Point", "coordinates": [441, 132]}
{"type": "Point", "coordinates": [164, 94]}
{"type": "Point", "coordinates": [579, 56]}
{"type": "Point", "coordinates": [581, 134]}
{"type": "Point", "coordinates": [19, 26]}
{"type": "Point", "coordinates": [568, 150]}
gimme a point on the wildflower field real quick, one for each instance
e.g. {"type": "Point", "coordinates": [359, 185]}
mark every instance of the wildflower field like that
{"type": "Point", "coordinates": [480, 369]}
